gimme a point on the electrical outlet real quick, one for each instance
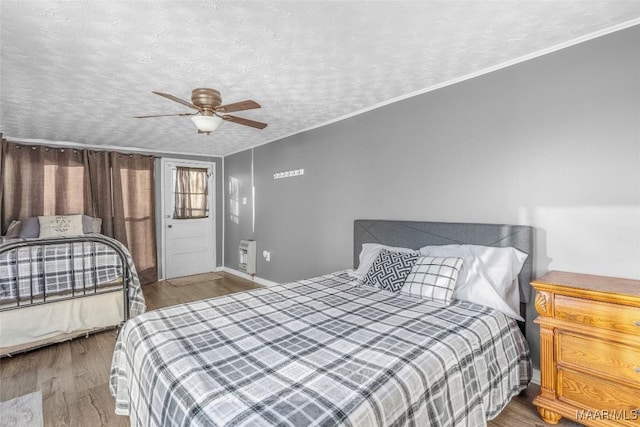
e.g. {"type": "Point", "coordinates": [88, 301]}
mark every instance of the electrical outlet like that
{"type": "Point", "coordinates": [266, 255]}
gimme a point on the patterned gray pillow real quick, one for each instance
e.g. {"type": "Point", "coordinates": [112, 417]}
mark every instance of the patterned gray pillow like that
{"type": "Point", "coordinates": [389, 270]}
{"type": "Point", "coordinates": [433, 278]}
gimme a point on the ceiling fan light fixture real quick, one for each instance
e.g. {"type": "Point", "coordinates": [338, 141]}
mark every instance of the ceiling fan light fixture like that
{"type": "Point", "coordinates": [207, 123]}
{"type": "Point", "coordinates": [210, 113]}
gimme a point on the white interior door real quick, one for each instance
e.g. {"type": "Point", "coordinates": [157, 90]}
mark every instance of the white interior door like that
{"type": "Point", "coordinates": [189, 244]}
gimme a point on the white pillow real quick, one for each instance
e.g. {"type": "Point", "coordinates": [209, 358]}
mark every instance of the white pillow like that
{"type": "Point", "coordinates": [60, 225]}
{"type": "Point", "coordinates": [433, 278]}
{"type": "Point", "coordinates": [369, 253]}
{"type": "Point", "coordinates": [489, 275]}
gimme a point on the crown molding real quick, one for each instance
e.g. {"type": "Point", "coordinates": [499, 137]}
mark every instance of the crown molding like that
{"type": "Point", "coordinates": [521, 59]}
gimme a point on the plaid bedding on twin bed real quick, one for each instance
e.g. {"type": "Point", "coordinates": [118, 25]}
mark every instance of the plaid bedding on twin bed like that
{"type": "Point", "coordinates": [65, 269]}
{"type": "Point", "coordinates": [318, 352]}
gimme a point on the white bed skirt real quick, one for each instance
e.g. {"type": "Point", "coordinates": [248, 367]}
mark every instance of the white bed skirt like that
{"type": "Point", "coordinates": [39, 323]}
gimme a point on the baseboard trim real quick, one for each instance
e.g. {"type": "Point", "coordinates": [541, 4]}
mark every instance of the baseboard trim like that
{"type": "Point", "coordinates": [255, 279]}
{"type": "Point", "coordinates": [535, 376]}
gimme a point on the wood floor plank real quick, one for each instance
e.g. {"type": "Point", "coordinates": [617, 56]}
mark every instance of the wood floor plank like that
{"type": "Point", "coordinates": [88, 363]}
{"type": "Point", "coordinates": [19, 376]}
{"type": "Point", "coordinates": [521, 412]}
{"type": "Point", "coordinates": [93, 407]}
{"type": "Point", "coordinates": [73, 376]}
{"type": "Point", "coordinates": [55, 376]}
{"type": "Point", "coordinates": [55, 404]}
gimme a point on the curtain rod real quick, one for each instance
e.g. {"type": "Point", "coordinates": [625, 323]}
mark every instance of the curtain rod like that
{"type": "Point", "coordinates": [77, 149]}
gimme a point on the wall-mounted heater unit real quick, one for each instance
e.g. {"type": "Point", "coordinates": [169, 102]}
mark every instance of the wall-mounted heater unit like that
{"type": "Point", "coordinates": [247, 256]}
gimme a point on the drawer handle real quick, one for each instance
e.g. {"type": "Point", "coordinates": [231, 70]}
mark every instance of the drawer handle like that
{"type": "Point", "coordinates": [636, 369]}
{"type": "Point", "coordinates": [637, 323]}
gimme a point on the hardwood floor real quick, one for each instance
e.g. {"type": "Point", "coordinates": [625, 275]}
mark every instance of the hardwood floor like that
{"type": "Point", "coordinates": [74, 375]}
{"type": "Point", "coordinates": [521, 412]}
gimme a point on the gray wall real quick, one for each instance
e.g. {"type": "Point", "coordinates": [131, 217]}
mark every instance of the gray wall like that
{"type": "Point", "coordinates": [238, 220]}
{"type": "Point", "coordinates": [553, 142]}
{"type": "Point", "coordinates": [220, 180]}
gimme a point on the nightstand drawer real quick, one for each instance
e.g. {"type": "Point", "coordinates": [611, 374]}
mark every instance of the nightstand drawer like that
{"type": "Point", "coordinates": [596, 394]}
{"type": "Point", "coordinates": [600, 357]}
{"type": "Point", "coordinates": [598, 314]}
{"type": "Point", "coordinates": [589, 349]}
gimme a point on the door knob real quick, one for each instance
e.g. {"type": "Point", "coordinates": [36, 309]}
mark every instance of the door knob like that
{"type": "Point", "coordinates": [169, 226]}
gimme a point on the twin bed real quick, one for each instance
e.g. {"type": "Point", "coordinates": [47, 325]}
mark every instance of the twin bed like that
{"type": "Point", "coordinates": [325, 351]}
{"type": "Point", "coordinates": [53, 289]}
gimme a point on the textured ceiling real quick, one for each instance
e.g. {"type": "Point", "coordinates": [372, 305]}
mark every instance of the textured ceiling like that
{"type": "Point", "coordinates": [78, 71]}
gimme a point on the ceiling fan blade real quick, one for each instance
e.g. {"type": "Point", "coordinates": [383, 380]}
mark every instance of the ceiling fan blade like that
{"type": "Point", "coordinates": [176, 99]}
{"type": "Point", "coordinates": [238, 106]}
{"type": "Point", "coordinates": [165, 115]}
{"type": "Point", "coordinates": [246, 122]}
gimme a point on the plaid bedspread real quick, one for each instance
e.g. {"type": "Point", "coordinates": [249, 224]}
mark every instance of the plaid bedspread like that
{"type": "Point", "coordinates": [63, 269]}
{"type": "Point", "coordinates": [318, 352]}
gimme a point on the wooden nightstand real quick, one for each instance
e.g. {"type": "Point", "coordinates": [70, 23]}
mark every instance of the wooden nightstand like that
{"type": "Point", "coordinates": [589, 349]}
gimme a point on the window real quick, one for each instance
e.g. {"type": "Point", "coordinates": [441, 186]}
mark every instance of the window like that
{"type": "Point", "coordinates": [191, 193]}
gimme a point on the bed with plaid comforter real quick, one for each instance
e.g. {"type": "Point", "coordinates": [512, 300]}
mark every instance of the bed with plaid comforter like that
{"type": "Point", "coordinates": [318, 352]}
{"type": "Point", "coordinates": [65, 269]}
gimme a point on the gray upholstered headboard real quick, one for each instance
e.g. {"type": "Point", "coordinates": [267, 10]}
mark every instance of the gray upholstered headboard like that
{"type": "Point", "coordinates": [415, 234]}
